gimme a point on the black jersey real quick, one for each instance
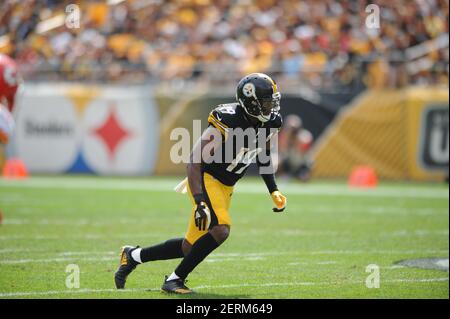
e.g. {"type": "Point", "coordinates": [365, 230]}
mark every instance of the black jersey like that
{"type": "Point", "coordinates": [239, 149]}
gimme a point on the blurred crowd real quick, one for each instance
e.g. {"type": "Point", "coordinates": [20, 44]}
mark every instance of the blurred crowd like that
{"type": "Point", "coordinates": [322, 42]}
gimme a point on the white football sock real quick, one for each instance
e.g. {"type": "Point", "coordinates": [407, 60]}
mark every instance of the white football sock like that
{"type": "Point", "coordinates": [173, 276]}
{"type": "Point", "coordinates": [136, 255]}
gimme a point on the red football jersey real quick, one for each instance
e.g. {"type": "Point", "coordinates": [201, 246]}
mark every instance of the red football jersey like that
{"type": "Point", "coordinates": [9, 81]}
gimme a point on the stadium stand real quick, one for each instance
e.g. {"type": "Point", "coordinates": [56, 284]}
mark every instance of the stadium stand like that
{"type": "Point", "coordinates": [324, 43]}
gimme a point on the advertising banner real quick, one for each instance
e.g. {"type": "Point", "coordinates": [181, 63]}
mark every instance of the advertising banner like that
{"type": "Point", "coordinates": [81, 129]}
{"type": "Point", "coordinates": [402, 134]}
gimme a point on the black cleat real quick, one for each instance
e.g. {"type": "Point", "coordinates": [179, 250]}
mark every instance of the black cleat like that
{"type": "Point", "coordinates": [175, 286]}
{"type": "Point", "coordinates": [127, 265]}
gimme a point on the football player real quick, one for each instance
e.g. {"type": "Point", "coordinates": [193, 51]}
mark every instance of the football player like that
{"type": "Point", "coordinates": [9, 81]}
{"type": "Point", "coordinates": [210, 183]}
{"type": "Point", "coordinates": [294, 148]}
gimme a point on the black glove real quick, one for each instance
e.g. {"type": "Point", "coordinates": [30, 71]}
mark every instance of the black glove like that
{"type": "Point", "coordinates": [202, 216]}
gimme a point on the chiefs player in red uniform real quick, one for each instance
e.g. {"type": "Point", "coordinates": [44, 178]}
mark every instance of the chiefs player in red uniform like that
{"type": "Point", "coordinates": [9, 81]}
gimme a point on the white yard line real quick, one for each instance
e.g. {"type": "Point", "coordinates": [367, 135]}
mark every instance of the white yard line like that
{"type": "Point", "coordinates": [322, 283]}
{"type": "Point", "coordinates": [273, 284]}
{"type": "Point", "coordinates": [54, 260]}
{"type": "Point", "coordinates": [394, 267]}
{"type": "Point", "coordinates": [72, 222]}
{"type": "Point", "coordinates": [150, 235]}
{"type": "Point", "coordinates": [254, 232]}
{"type": "Point", "coordinates": [18, 250]}
{"type": "Point", "coordinates": [84, 236]}
{"type": "Point", "coordinates": [79, 253]}
{"type": "Point", "coordinates": [73, 291]}
{"type": "Point", "coordinates": [390, 252]}
{"type": "Point", "coordinates": [218, 257]}
{"type": "Point", "coordinates": [215, 260]}
{"type": "Point", "coordinates": [64, 253]}
{"type": "Point", "coordinates": [244, 187]}
{"type": "Point", "coordinates": [416, 280]}
{"type": "Point", "coordinates": [100, 256]}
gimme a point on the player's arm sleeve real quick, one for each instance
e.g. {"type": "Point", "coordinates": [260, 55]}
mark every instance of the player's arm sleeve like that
{"type": "Point", "coordinates": [269, 180]}
{"type": "Point", "coordinates": [267, 169]}
{"type": "Point", "coordinates": [207, 144]}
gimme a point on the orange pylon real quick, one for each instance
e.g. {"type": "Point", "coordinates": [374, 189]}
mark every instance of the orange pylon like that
{"type": "Point", "coordinates": [15, 169]}
{"type": "Point", "coordinates": [363, 176]}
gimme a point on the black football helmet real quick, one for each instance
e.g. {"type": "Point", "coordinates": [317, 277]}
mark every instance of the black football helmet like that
{"type": "Point", "coordinates": [258, 95]}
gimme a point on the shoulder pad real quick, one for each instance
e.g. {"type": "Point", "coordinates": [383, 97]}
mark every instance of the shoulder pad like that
{"type": "Point", "coordinates": [224, 116]}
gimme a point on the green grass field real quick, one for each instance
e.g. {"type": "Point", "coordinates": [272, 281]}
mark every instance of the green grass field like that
{"type": "Point", "coordinates": [319, 248]}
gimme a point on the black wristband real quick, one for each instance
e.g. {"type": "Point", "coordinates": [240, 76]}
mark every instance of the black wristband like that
{"type": "Point", "coordinates": [269, 179]}
{"type": "Point", "coordinates": [199, 198]}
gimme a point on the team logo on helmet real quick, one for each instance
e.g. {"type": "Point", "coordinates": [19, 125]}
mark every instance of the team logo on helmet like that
{"type": "Point", "coordinates": [249, 90]}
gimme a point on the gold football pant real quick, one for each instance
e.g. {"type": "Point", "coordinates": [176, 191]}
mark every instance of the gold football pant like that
{"type": "Point", "coordinates": [218, 198]}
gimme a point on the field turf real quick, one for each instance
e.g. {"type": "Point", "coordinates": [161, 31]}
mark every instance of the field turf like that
{"type": "Point", "coordinates": [319, 248]}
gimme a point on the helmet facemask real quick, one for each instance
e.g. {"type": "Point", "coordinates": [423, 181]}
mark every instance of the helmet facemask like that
{"type": "Point", "coordinates": [264, 108]}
